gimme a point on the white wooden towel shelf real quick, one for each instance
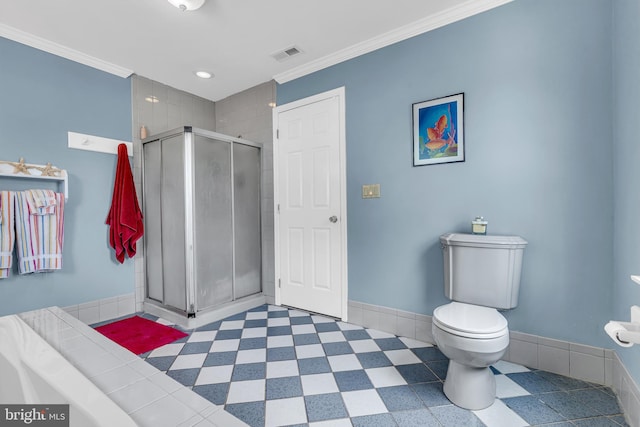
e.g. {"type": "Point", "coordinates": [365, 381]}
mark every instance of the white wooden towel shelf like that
{"type": "Point", "coordinates": [23, 170]}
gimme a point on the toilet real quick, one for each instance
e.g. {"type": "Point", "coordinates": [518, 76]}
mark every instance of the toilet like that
{"type": "Point", "coordinates": [481, 276]}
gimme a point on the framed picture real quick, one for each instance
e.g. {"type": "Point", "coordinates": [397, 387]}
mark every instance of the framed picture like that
{"type": "Point", "coordinates": [438, 131]}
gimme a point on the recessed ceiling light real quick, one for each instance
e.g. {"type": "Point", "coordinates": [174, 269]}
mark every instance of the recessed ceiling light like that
{"type": "Point", "coordinates": [152, 99]}
{"type": "Point", "coordinates": [204, 74]}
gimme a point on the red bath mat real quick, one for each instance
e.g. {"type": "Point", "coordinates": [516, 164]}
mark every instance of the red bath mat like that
{"type": "Point", "coordinates": [140, 335]}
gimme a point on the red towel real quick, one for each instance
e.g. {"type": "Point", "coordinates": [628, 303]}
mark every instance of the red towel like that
{"type": "Point", "coordinates": [125, 218]}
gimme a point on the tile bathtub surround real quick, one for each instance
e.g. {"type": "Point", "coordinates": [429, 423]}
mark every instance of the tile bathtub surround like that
{"type": "Point", "coordinates": [275, 366]}
{"type": "Point", "coordinates": [142, 391]}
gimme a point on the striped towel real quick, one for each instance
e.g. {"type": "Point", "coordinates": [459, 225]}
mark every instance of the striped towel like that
{"type": "Point", "coordinates": [7, 232]}
{"type": "Point", "coordinates": [41, 202]}
{"type": "Point", "coordinates": [39, 238]}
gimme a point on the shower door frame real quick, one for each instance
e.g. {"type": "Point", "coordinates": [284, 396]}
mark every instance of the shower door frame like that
{"type": "Point", "coordinates": [189, 133]}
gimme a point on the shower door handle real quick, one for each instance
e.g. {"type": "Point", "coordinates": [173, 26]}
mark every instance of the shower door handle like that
{"type": "Point", "coordinates": [333, 219]}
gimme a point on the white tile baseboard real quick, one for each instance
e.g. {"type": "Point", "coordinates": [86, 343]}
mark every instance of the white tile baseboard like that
{"type": "Point", "coordinates": [111, 308]}
{"type": "Point", "coordinates": [593, 364]}
{"type": "Point", "coordinates": [397, 322]}
{"type": "Point", "coordinates": [626, 390]}
{"type": "Point", "coordinates": [103, 309]}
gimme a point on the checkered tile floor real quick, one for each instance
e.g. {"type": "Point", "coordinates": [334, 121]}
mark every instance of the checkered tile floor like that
{"type": "Point", "coordinates": [272, 366]}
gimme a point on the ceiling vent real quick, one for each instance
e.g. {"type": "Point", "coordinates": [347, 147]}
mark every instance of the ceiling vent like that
{"type": "Point", "coordinates": [287, 53]}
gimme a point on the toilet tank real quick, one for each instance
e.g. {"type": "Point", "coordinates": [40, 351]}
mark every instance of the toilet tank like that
{"type": "Point", "coordinates": [482, 270]}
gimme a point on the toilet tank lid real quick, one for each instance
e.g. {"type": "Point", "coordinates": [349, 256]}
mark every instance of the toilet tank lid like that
{"type": "Point", "coordinates": [483, 241]}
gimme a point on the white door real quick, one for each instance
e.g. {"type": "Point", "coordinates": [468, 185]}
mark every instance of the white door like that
{"type": "Point", "coordinates": [310, 204]}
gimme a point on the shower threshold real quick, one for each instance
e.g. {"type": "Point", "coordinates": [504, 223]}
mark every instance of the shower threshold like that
{"type": "Point", "coordinates": [205, 317]}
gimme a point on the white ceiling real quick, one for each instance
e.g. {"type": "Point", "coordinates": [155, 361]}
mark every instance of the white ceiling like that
{"type": "Point", "coordinates": [233, 39]}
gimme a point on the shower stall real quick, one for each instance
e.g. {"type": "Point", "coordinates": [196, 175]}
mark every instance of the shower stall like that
{"type": "Point", "coordinates": [202, 213]}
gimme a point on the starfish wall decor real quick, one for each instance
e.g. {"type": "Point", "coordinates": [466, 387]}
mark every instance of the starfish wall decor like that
{"type": "Point", "coordinates": [24, 168]}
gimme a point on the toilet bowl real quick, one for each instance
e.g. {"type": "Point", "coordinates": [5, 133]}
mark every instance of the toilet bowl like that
{"type": "Point", "coordinates": [481, 275]}
{"type": "Point", "coordinates": [473, 338]}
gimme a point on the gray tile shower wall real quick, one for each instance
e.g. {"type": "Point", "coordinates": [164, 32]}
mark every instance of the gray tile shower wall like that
{"type": "Point", "coordinates": [248, 115]}
{"type": "Point", "coordinates": [159, 108]}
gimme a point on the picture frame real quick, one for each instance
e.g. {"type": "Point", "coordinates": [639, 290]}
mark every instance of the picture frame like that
{"type": "Point", "coordinates": [438, 130]}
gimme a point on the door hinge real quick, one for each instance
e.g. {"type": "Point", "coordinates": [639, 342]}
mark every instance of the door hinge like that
{"type": "Point", "coordinates": [277, 133]}
{"type": "Point", "coordinates": [278, 207]}
{"type": "Point", "coordinates": [279, 283]}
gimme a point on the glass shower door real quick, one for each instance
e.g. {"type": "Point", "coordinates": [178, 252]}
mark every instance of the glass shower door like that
{"type": "Point", "coordinates": [213, 236]}
{"type": "Point", "coordinates": [172, 208]}
{"type": "Point", "coordinates": [247, 227]}
{"type": "Point", "coordinates": [202, 204]}
{"type": "Point", "coordinates": [153, 220]}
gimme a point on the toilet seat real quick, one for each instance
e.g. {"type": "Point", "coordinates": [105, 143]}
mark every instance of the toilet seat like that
{"type": "Point", "coordinates": [471, 321]}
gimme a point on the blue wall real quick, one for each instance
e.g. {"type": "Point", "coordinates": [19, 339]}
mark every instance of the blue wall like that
{"type": "Point", "coordinates": [537, 79]}
{"type": "Point", "coordinates": [626, 154]}
{"type": "Point", "coordinates": [42, 97]}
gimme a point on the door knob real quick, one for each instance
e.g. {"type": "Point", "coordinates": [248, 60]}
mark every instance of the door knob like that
{"type": "Point", "coordinates": [333, 219]}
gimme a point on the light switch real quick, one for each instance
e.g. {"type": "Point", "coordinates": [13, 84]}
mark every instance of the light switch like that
{"type": "Point", "coordinates": [370, 191]}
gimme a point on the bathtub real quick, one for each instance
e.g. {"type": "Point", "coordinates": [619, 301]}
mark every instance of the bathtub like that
{"type": "Point", "coordinates": [33, 372]}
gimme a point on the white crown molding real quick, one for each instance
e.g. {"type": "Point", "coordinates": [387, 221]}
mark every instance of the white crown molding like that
{"type": "Point", "coordinates": [446, 17]}
{"type": "Point", "coordinates": [63, 51]}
